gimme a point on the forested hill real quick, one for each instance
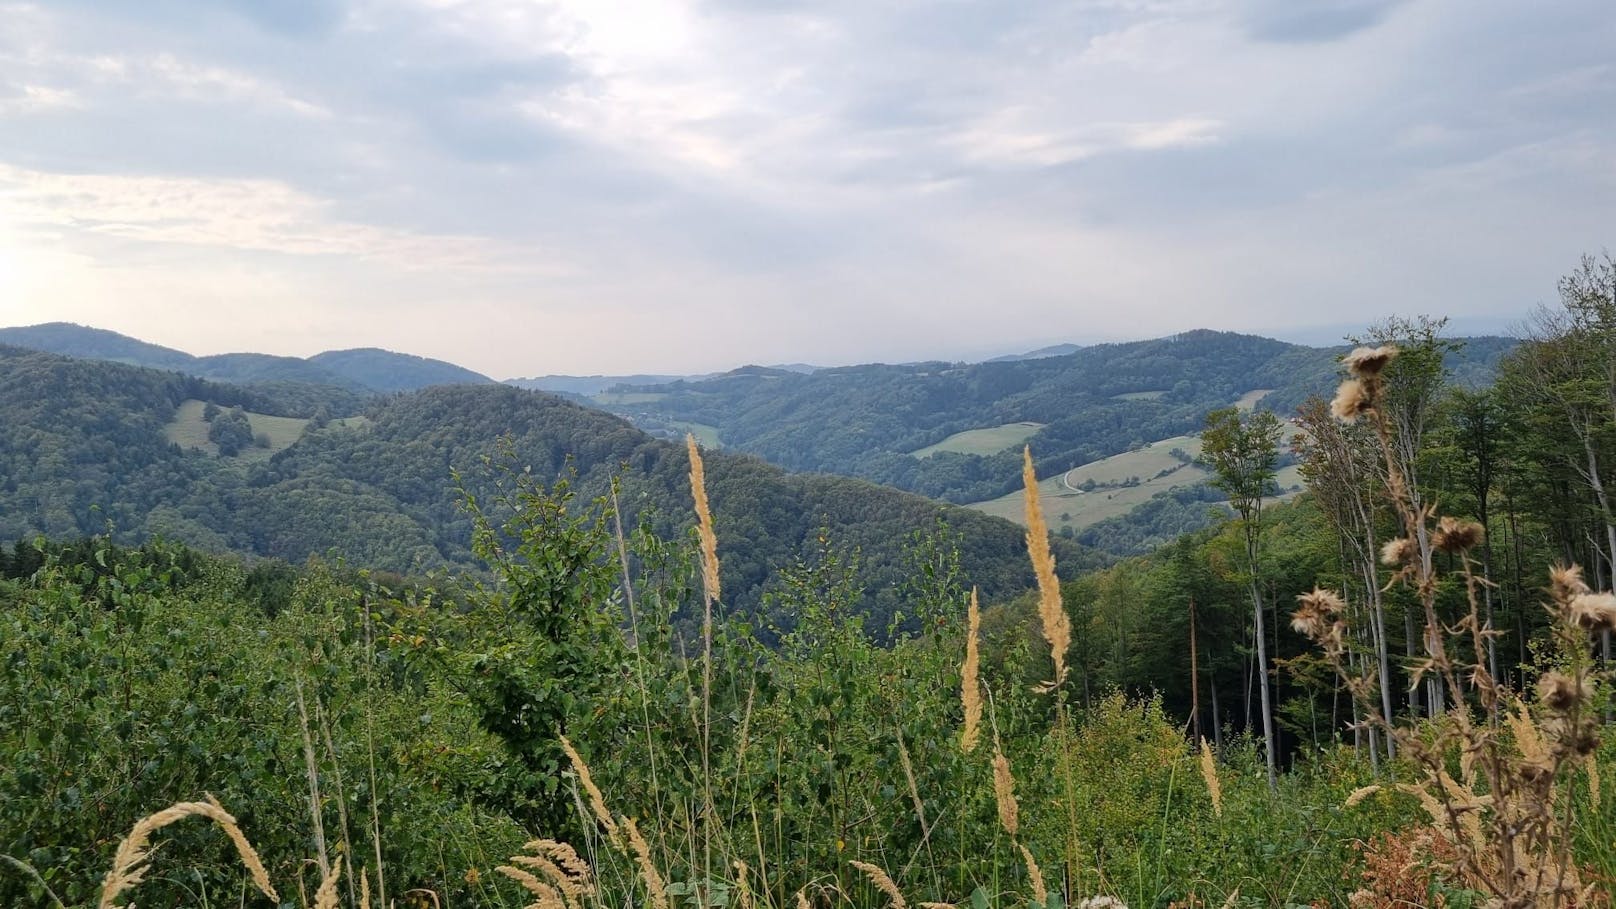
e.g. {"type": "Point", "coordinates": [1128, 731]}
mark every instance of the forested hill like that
{"type": "Point", "coordinates": [361, 371]}
{"type": "Point", "coordinates": [88, 445]}
{"type": "Point", "coordinates": [878, 421]}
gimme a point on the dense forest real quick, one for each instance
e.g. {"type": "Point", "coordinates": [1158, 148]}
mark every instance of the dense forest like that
{"type": "Point", "coordinates": [83, 449]}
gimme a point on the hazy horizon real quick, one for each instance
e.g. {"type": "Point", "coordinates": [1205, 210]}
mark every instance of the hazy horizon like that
{"type": "Point", "coordinates": [683, 186]}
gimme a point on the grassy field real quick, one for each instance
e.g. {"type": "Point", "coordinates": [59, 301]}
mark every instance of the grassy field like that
{"type": "Point", "coordinates": [1067, 505]}
{"type": "Point", "coordinates": [1249, 399]}
{"type": "Point", "coordinates": [706, 436]}
{"type": "Point", "coordinates": [189, 430]}
{"type": "Point", "coordinates": [988, 441]}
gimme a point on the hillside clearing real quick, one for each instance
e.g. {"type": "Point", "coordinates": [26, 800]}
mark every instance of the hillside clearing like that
{"type": "Point", "coordinates": [989, 441]}
{"type": "Point", "coordinates": [189, 430]}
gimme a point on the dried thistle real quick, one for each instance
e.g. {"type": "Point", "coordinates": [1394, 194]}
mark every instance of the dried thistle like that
{"type": "Point", "coordinates": [1056, 624]}
{"type": "Point", "coordinates": [129, 863]}
{"type": "Point", "coordinates": [1035, 877]}
{"type": "Point", "coordinates": [704, 523]}
{"type": "Point", "coordinates": [1209, 773]}
{"type": "Point", "coordinates": [1562, 692]}
{"type": "Point", "coordinates": [1593, 611]}
{"type": "Point", "coordinates": [1401, 551]}
{"type": "Point", "coordinates": [1365, 362]}
{"type": "Point", "coordinates": [1318, 610]}
{"type": "Point", "coordinates": [1351, 401]}
{"type": "Point", "coordinates": [970, 681]}
{"type": "Point", "coordinates": [1456, 536]}
{"type": "Point", "coordinates": [1565, 582]}
{"type": "Point", "coordinates": [883, 882]}
{"type": "Point", "coordinates": [648, 869]}
{"type": "Point", "coordinates": [597, 802]}
{"type": "Point", "coordinates": [1004, 793]}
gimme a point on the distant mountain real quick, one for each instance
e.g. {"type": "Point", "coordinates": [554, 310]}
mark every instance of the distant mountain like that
{"type": "Point", "coordinates": [589, 386]}
{"type": "Point", "coordinates": [72, 340]}
{"type": "Point", "coordinates": [85, 445]}
{"type": "Point", "coordinates": [1057, 350]}
{"type": "Point", "coordinates": [954, 431]}
{"type": "Point", "coordinates": [386, 371]}
{"type": "Point", "coordinates": [362, 371]}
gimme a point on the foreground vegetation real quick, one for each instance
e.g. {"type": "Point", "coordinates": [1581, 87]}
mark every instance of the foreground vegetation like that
{"type": "Point", "coordinates": [1391, 692]}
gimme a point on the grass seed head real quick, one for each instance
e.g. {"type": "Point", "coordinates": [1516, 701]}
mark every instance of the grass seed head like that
{"type": "Point", "coordinates": [704, 522]}
{"type": "Point", "coordinates": [1004, 793]}
{"type": "Point", "coordinates": [597, 802]}
{"type": "Point", "coordinates": [1209, 773]}
{"type": "Point", "coordinates": [883, 882]}
{"type": "Point", "coordinates": [1057, 625]}
{"type": "Point", "coordinates": [970, 678]}
{"type": "Point", "coordinates": [129, 863]}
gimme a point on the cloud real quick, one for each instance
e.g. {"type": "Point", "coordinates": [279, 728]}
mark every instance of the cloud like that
{"type": "Point", "coordinates": [831, 181]}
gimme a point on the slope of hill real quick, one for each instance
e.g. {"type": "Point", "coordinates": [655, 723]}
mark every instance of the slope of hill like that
{"type": "Point", "coordinates": [85, 445]}
{"type": "Point", "coordinates": [922, 427]}
{"type": "Point", "coordinates": [387, 371]}
{"type": "Point", "coordinates": [361, 371]}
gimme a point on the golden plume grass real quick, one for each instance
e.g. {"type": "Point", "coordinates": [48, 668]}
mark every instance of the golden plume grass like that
{"type": "Point", "coordinates": [1057, 626]}
{"type": "Point", "coordinates": [1035, 876]}
{"type": "Point", "coordinates": [743, 888]}
{"type": "Point", "coordinates": [1209, 772]}
{"type": "Point", "coordinates": [883, 882]}
{"type": "Point", "coordinates": [364, 888]}
{"type": "Point", "coordinates": [326, 896]}
{"type": "Point", "coordinates": [544, 895]}
{"type": "Point", "coordinates": [1359, 795]}
{"type": "Point", "coordinates": [1004, 793]}
{"type": "Point", "coordinates": [704, 522]}
{"type": "Point", "coordinates": [970, 678]}
{"type": "Point", "coordinates": [597, 802]}
{"type": "Point", "coordinates": [648, 869]}
{"type": "Point", "coordinates": [129, 863]}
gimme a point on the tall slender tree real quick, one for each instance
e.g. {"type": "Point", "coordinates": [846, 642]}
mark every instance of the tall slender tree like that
{"type": "Point", "coordinates": [1243, 452]}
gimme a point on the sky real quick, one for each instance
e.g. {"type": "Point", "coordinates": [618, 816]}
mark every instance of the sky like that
{"type": "Point", "coordinates": [612, 186]}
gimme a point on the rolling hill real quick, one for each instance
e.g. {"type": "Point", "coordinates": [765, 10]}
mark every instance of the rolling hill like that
{"type": "Point", "coordinates": [360, 371]}
{"type": "Point", "coordinates": [88, 445]}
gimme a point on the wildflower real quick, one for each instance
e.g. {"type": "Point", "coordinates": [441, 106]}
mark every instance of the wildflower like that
{"type": "Point", "coordinates": [1352, 401]}
{"type": "Point", "coordinates": [1454, 535]}
{"type": "Point", "coordinates": [1365, 362]}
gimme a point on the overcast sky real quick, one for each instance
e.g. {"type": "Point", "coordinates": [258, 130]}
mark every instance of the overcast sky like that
{"type": "Point", "coordinates": [581, 186]}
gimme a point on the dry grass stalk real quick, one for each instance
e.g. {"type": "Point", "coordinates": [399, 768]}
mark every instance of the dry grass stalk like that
{"type": "Point", "coordinates": [743, 888]}
{"type": "Point", "coordinates": [364, 888]}
{"type": "Point", "coordinates": [1359, 795]}
{"type": "Point", "coordinates": [326, 896]}
{"type": "Point", "coordinates": [561, 868]}
{"type": "Point", "coordinates": [970, 678]}
{"type": "Point", "coordinates": [544, 895]}
{"type": "Point", "coordinates": [802, 899]}
{"type": "Point", "coordinates": [1035, 876]}
{"type": "Point", "coordinates": [648, 869]}
{"type": "Point", "coordinates": [597, 801]}
{"type": "Point", "coordinates": [1004, 793]}
{"type": "Point", "coordinates": [568, 858]}
{"type": "Point", "coordinates": [939, 906]}
{"type": "Point", "coordinates": [1057, 626]}
{"type": "Point", "coordinates": [883, 882]}
{"type": "Point", "coordinates": [704, 522]}
{"type": "Point", "coordinates": [1209, 772]}
{"type": "Point", "coordinates": [129, 864]}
